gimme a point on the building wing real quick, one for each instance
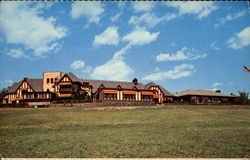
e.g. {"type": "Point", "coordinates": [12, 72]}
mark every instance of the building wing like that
{"type": "Point", "coordinates": [203, 93]}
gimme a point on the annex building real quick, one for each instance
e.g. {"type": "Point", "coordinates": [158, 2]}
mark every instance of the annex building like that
{"type": "Point", "coordinates": [58, 85]}
{"type": "Point", "coordinates": [204, 97]}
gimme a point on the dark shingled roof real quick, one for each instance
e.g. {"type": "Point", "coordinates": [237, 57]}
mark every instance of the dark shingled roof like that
{"type": "Point", "coordinates": [165, 92]}
{"type": "Point", "coordinates": [150, 84]}
{"type": "Point", "coordinates": [35, 84]}
{"type": "Point", "coordinates": [112, 84]}
{"type": "Point", "coordinates": [71, 76]}
{"type": "Point", "coordinates": [14, 87]}
{"type": "Point", "coordinates": [203, 93]}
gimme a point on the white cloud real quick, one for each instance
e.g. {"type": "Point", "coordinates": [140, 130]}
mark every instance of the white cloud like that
{"type": "Point", "coordinates": [91, 10]}
{"type": "Point", "coordinates": [109, 37]}
{"type": "Point", "coordinates": [114, 69]}
{"type": "Point", "coordinates": [121, 52]}
{"type": "Point", "coordinates": [87, 69]}
{"type": "Point", "coordinates": [150, 19]}
{"type": "Point", "coordinates": [44, 5]}
{"type": "Point", "coordinates": [202, 9]}
{"type": "Point", "coordinates": [183, 54]}
{"type": "Point", "coordinates": [140, 37]}
{"type": "Point", "coordinates": [17, 53]}
{"type": "Point", "coordinates": [21, 24]}
{"type": "Point", "coordinates": [216, 84]}
{"type": "Point", "coordinates": [121, 4]}
{"type": "Point", "coordinates": [116, 17]}
{"type": "Point", "coordinates": [213, 46]}
{"type": "Point", "coordinates": [77, 64]}
{"type": "Point", "coordinates": [8, 81]}
{"type": "Point", "coordinates": [240, 40]}
{"type": "Point", "coordinates": [157, 69]}
{"type": "Point", "coordinates": [143, 6]}
{"type": "Point", "coordinates": [230, 18]}
{"type": "Point", "coordinates": [180, 71]}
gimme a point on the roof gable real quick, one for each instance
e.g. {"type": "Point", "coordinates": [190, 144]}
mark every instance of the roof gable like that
{"type": "Point", "coordinates": [71, 77]}
{"type": "Point", "coordinates": [35, 84]}
{"type": "Point", "coordinates": [164, 91]}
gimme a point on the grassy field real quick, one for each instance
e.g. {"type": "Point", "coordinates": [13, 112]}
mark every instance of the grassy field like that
{"type": "Point", "coordinates": [172, 131]}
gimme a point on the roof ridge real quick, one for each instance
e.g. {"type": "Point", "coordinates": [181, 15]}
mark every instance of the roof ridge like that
{"type": "Point", "coordinates": [109, 81]}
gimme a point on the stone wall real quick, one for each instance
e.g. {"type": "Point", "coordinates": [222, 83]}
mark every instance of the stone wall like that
{"type": "Point", "coordinates": [102, 104]}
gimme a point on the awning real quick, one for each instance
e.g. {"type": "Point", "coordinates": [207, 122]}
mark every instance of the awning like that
{"type": "Point", "coordinates": [147, 93]}
{"type": "Point", "coordinates": [156, 96]}
{"type": "Point", "coordinates": [169, 98]}
{"type": "Point", "coordinates": [129, 92]}
{"type": "Point", "coordinates": [65, 83]}
{"type": "Point", "coordinates": [65, 95]}
{"type": "Point", "coordinates": [110, 91]}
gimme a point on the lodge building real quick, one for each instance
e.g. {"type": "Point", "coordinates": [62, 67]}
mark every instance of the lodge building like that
{"type": "Point", "coordinates": [58, 85]}
{"type": "Point", "coordinates": [61, 86]}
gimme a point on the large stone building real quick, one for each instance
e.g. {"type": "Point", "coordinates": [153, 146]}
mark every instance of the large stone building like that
{"type": "Point", "coordinates": [58, 85]}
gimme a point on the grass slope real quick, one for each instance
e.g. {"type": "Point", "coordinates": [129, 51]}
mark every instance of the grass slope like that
{"type": "Point", "coordinates": [173, 131]}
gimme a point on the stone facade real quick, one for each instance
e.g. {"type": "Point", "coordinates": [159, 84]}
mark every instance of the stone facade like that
{"type": "Point", "coordinates": [49, 79]}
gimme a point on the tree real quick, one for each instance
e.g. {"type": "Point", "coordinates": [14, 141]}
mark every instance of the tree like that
{"type": "Point", "coordinates": [243, 97]}
{"type": "Point", "coordinates": [79, 93]}
{"type": "Point", "coordinates": [76, 90]}
{"type": "Point", "coordinates": [3, 92]}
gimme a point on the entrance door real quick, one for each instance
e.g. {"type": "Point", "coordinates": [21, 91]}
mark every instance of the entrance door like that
{"type": "Point", "coordinates": [156, 100]}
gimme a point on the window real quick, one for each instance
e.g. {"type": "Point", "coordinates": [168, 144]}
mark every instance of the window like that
{"type": "Point", "coordinates": [55, 79]}
{"type": "Point", "coordinates": [224, 99]}
{"type": "Point", "coordinates": [129, 97]}
{"type": "Point", "coordinates": [47, 80]}
{"type": "Point", "coordinates": [44, 96]}
{"type": "Point", "coordinates": [109, 96]}
{"type": "Point", "coordinates": [52, 80]}
{"type": "Point", "coordinates": [205, 99]}
{"type": "Point", "coordinates": [147, 97]}
{"type": "Point", "coordinates": [29, 96]}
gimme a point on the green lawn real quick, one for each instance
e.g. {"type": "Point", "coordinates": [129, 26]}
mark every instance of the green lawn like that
{"type": "Point", "coordinates": [172, 131]}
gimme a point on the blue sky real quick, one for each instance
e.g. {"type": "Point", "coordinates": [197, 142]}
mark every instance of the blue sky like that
{"type": "Point", "coordinates": [180, 45]}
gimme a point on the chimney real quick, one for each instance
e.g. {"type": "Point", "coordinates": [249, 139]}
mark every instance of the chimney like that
{"type": "Point", "coordinates": [25, 78]}
{"type": "Point", "coordinates": [218, 91]}
{"type": "Point", "coordinates": [135, 81]}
